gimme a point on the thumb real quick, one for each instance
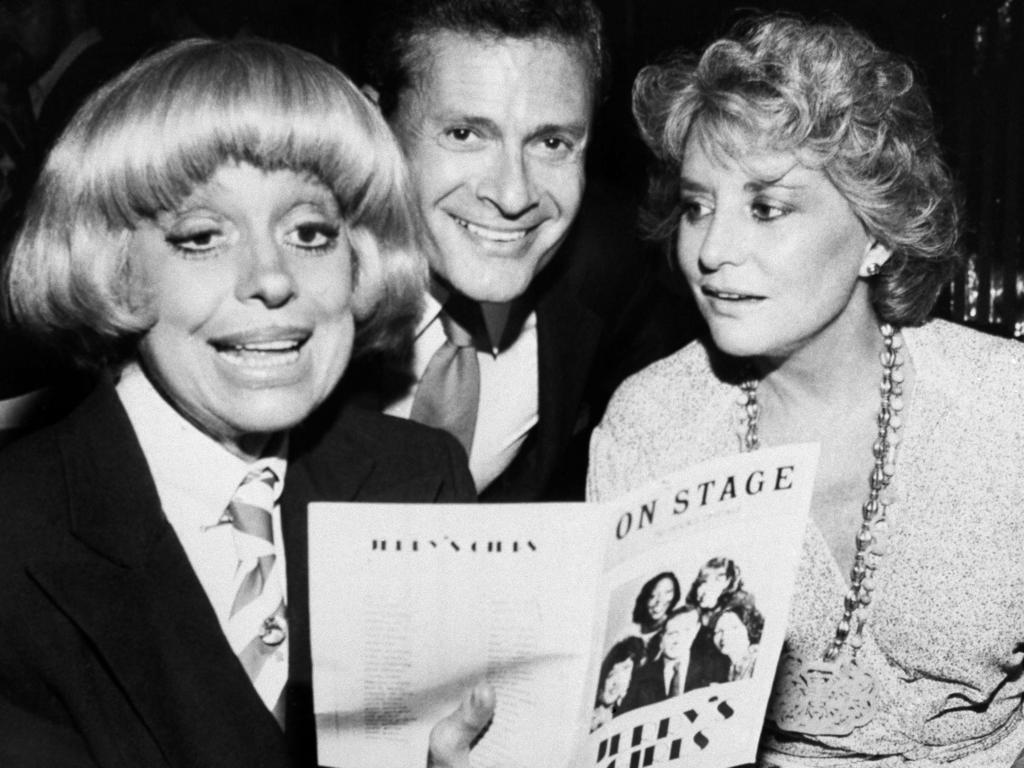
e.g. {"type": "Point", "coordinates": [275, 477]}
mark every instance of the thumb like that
{"type": "Point", "coordinates": [452, 737]}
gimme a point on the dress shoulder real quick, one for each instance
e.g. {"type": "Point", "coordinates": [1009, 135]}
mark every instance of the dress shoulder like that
{"type": "Point", "coordinates": [970, 374]}
{"type": "Point", "coordinates": [661, 418]}
{"type": "Point", "coordinates": [674, 384]}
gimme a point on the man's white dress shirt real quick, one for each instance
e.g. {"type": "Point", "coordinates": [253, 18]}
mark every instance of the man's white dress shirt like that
{"type": "Point", "coordinates": [509, 393]}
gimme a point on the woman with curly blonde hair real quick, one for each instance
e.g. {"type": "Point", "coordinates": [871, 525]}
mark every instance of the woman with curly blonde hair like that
{"type": "Point", "coordinates": [801, 186]}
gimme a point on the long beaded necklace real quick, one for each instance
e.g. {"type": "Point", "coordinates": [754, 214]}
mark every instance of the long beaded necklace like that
{"type": "Point", "coordinates": [834, 696]}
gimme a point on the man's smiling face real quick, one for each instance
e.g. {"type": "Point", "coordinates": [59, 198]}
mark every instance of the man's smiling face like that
{"type": "Point", "coordinates": [495, 132]}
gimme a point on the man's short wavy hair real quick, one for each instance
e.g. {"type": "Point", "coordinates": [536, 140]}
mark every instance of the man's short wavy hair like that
{"type": "Point", "coordinates": [398, 52]}
{"type": "Point", "coordinates": [830, 95]}
{"type": "Point", "coordinates": [142, 143]}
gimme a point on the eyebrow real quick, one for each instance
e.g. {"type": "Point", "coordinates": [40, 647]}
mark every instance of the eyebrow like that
{"type": "Point", "coordinates": [754, 185]}
{"type": "Point", "coordinates": [473, 121]}
{"type": "Point", "coordinates": [759, 185]}
{"type": "Point", "coordinates": [689, 185]}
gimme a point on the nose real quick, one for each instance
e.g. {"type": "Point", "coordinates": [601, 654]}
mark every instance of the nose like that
{"type": "Point", "coordinates": [722, 243]}
{"type": "Point", "coordinates": [508, 185]}
{"type": "Point", "coordinates": [266, 275]}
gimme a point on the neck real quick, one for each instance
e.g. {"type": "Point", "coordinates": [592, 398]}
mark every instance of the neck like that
{"type": "Point", "coordinates": [249, 448]}
{"type": "Point", "coordinates": [837, 369]}
{"type": "Point", "coordinates": [827, 392]}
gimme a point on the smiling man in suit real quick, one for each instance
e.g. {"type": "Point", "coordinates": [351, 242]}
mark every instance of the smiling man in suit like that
{"type": "Point", "coordinates": [541, 301]}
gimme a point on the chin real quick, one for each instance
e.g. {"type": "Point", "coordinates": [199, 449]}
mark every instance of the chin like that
{"type": "Point", "coordinates": [493, 283]}
{"type": "Point", "coordinates": [267, 413]}
{"type": "Point", "coordinates": [737, 341]}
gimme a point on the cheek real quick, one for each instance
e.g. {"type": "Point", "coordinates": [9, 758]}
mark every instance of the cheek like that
{"type": "Point", "coordinates": [437, 173]}
{"type": "Point", "coordinates": [183, 310]}
{"type": "Point", "coordinates": [331, 358]}
{"type": "Point", "coordinates": [333, 303]}
{"type": "Point", "coordinates": [564, 186]}
{"type": "Point", "coordinates": [329, 284]}
{"type": "Point", "coordinates": [687, 250]}
{"type": "Point", "coordinates": [835, 259]}
{"type": "Point", "coordinates": [177, 294]}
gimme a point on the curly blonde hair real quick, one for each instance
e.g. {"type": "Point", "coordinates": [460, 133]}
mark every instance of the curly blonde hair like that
{"type": "Point", "coordinates": [840, 103]}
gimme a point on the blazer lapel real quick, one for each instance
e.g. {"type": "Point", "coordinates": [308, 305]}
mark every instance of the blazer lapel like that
{"type": "Point", "coordinates": [567, 337]}
{"type": "Point", "coordinates": [129, 587]}
{"type": "Point", "coordinates": [308, 478]}
{"type": "Point", "coordinates": [568, 334]}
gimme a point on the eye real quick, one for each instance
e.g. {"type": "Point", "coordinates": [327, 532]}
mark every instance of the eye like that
{"type": "Point", "coordinates": [555, 148]}
{"type": "Point", "coordinates": [693, 210]}
{"type": "Point", "coordinates": [461, 137]}
{"type": "Point", "coordinates": [198, 241]}
{"type": "Point", "coordinates": [556, 144]}
{"type": "Point", "coordinates": [766, 211]}
{"type": "Point", "coordinates": [313, 236]}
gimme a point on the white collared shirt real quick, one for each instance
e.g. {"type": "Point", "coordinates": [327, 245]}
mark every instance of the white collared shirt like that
{"type": "Point", "coordinates": [509, 393]}
{"type": "Point", "coordinates": [195, 478]}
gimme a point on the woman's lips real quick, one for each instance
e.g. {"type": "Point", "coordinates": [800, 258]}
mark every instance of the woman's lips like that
{"type": "Point", "coordinates": [262, 348]}
{"type": "Point", "coordinates": [729, 295]}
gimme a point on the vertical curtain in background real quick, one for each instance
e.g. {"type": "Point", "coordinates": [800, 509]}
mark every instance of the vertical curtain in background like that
{"type": "Point", "coordinates": [985, 130]}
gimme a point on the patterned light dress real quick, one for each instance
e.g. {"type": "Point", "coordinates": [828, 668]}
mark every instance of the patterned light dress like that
{"type": "Point", "coordinates": [945, 637]}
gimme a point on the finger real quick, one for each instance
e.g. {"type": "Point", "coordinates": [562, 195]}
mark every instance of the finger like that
{"type": "Point", "coordinates": [452, 737]}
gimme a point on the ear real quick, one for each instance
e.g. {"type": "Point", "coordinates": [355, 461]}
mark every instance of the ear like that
{"type": "Point", "coordinates": [372, 94]}
{"type": "Point", "coordinates": [875, 255]}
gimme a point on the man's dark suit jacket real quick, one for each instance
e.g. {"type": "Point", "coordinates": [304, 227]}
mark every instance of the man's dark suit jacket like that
{"type": "Point", "coordinates": [110, 653]}
{"type": "Point", "coordinates": [602, 314]}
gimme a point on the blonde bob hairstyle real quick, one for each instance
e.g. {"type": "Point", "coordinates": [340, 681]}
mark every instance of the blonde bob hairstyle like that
{"type": "Point", "coordinates": [828, 94]}
{"type": "Point", "coordinates": [142, 143]}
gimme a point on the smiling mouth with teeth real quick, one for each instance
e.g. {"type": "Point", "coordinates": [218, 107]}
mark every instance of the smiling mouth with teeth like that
{"type": "Point", "coordinates": [261, 354]}
{"type": "Point", "coordinates": [726, 296]}
{"type": "Point", "coordinates": [494, 235]}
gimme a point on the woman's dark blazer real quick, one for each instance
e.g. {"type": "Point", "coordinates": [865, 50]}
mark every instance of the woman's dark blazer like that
{"type": "Point", "coordinates": [110, 653]}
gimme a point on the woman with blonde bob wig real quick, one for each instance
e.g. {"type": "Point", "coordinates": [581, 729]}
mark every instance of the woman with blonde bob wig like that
{"type": "Point", "coordinates": [801, 189]}
{"type": "Point", "coordinates": [148, 139]}
{"type": "Point", "coordinates": [217, 230]}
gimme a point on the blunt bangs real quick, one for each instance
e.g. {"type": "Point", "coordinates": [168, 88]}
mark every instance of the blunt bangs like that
{"type": "Point", "coordinates": [165, 127]}
{"type": "Point", "coordinates": [146, 140]}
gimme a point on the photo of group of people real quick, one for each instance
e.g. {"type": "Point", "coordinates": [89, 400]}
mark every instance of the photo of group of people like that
{"type": "Point", "coordinates": [680, 642]}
